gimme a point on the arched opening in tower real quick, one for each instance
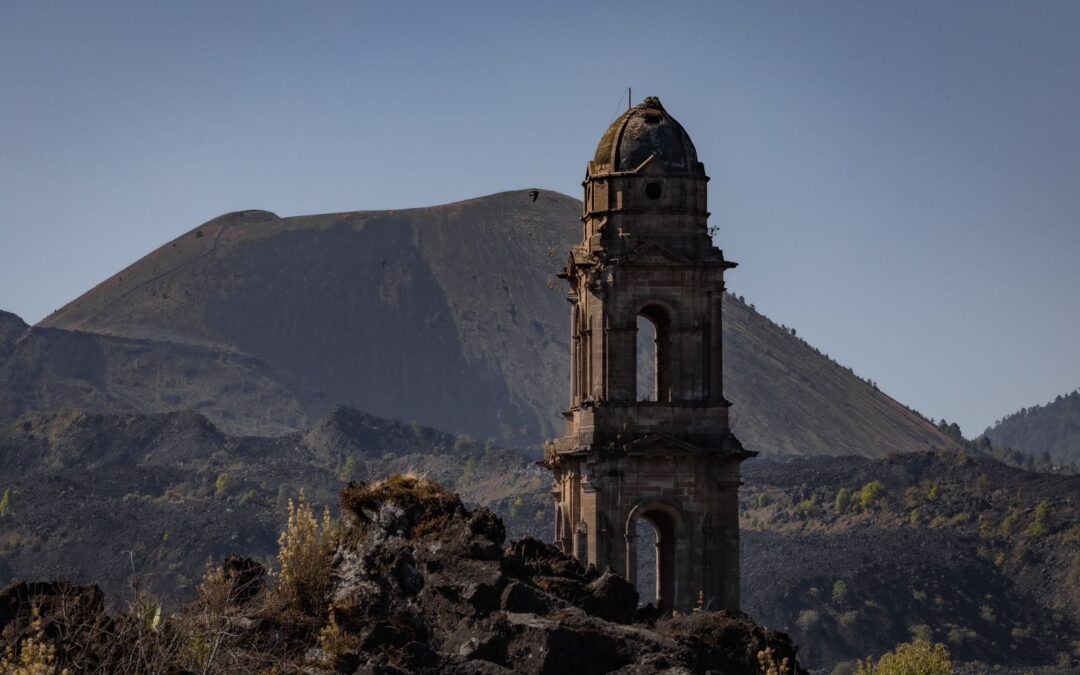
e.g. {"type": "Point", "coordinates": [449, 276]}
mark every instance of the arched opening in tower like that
{"type": "Point", "coordinates": [645, 540]}
{"type": "Point", "coordinates": [655, 541]}
{"type": "Point", "coordinates": [646, 359]}
{"type": "Point", "coordinates": [652, 372]}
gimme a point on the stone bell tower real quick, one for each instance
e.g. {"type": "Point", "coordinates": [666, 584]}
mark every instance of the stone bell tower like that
{"type": "Point", "coordinates": [669, 459]}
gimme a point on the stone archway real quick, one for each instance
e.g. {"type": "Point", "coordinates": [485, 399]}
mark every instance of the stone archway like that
{"type": "Point", "coordinates": [669, 524]}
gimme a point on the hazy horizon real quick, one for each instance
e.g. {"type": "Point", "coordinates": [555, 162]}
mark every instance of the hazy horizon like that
{"type": "Point", "coordinates": [897, 182]}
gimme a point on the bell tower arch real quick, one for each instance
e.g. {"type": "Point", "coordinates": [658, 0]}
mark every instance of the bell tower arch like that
{"type": "Point", "coordinates": [668, 458]}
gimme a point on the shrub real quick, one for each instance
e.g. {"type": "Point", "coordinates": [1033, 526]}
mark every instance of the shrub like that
{"type": "Point", "coordinates": [843, 500]}
{"type": "Point", "coordinates": [5, 503]}
{"type": "Point", "coordinates": [347, 469]}
{"type": "Point", "coordinates": [469, 471]}
{"type": "Point", "coordinates": [959, 635]}
{"type": "Point", "coordinates": [871, 492]}
{"type": "Point", "coordinates": [843, 668]}
{"type": "Point", "coordinates": [1038, 526]}
{"type": "Point", "coordinates": [933, 493]}
{"type": "Point", "coordinates": [839, 592]}
{"type": "Point", "coordinates": [516, 506]}
{"type": "Point", "coordinates": [222, 484]}
{"type": "Point", "coordinates": [808, 618]}
{"type": "Point", "coordinates": [35, 655]}
{"type": "Point", "coordinates": [921, 633]}
{"type": "Point", "coordinates": [247, 497]}
{"type": "Point", "coordinates": [913, 658]}
{"type": "Point", "coordinates": [305, 551]}
{"type": "Point", "coordinates": [768, 665]}
{"type": "Point", "coordinates": [335, 642]}
{"type": "Point", "coordinates": [849, 619]}
{"type": "Point", "coordinates": [1009, 524]}
{"type": "Point", "coordinates": [914, 517]}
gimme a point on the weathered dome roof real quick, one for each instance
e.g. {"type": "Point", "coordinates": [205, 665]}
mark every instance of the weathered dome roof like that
{"type": "Point", "coordinates": [642, 131]}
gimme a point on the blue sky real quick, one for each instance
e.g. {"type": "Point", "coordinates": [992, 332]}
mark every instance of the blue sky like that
{"type": "Point", "coordinates": [899, 181]}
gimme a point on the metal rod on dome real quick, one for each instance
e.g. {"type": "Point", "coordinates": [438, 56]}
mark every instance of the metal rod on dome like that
{"type": "Point", "coordinates": [629, 98]}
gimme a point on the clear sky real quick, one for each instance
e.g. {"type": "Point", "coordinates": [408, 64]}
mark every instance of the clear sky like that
{"type": "Point", "coordinates": [900, 181]}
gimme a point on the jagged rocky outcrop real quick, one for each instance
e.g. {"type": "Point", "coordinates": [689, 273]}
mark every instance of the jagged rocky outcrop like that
{"type": "Point", "coordinates": [420, 584]}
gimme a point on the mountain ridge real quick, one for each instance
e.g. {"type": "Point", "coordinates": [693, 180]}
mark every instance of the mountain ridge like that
{"type": "Point", "coordinates": [451, 315]}
{"type": "Point", "coordinates": [1052, 428]}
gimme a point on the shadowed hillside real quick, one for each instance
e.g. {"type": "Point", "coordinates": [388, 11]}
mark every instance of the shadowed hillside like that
{"type": "Point", "coordinates": [1053, 429]}
{"type": "Point", "coordinates": [147, 499]}
{"type": "Point", "coordinates": [48, 369]}
{"type": "Point", "coordinates": [851, 555]}
{"type": "Point", "coordinates": [450, 315]}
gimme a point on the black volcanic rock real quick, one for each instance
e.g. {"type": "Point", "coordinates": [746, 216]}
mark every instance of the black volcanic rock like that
{"type": "Point", "coordinates": [413, 557]}
{"type": "Point", "coordinates": [419, 585]}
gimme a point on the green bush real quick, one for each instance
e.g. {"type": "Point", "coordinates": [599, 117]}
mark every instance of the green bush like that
{"type": "Point", "coordinates": [5, 503]}
{"type": "Point", "coordinates": [913, 658]}
{"type": "Point", "coordinates": [305, 553]}
{"type": "Point", "coordinates": [843, 500]}
{"type": "Point", "coordinates": [469, 471]}
{"type": "Point", "coordinates": [347, 469]}
{"type": "Point", "coordinates": [808, 618]}
{"type": "Point", "coordinates": [871, 492]}
{"type": "Point", "coordinates": [839, 592]}
{"type": "Point", "coordinates": [1038, 526]}
{"type": "Point", "coordinates": [921, 633]}
{"type": "Point", "coordinates": [222, 484]}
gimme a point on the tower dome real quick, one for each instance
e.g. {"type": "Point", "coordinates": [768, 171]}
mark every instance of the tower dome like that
{"type": "Point", "coordinates": [643, 132]}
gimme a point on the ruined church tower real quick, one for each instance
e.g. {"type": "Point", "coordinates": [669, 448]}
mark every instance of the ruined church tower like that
{"type": "Point", "coordinates": [664, 455]}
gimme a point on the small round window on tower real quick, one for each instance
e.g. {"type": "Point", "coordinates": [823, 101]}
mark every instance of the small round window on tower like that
{"type": "Point", "coordinates": [653, 190]}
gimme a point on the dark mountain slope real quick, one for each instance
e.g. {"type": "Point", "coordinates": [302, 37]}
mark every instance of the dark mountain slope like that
{"type": "Point", "coordinates": [982, 555]}
{"type": "Point", "coordinates": [792, 400]}
{"type": "Point", "coordinates": [450, 315]}
{"type": "Point", "coordinates": [442, 314]}
{"type": "Point", "coordinates": [105, 498]}
{"type": "Point", "coordinates": [851, 555]}
{"type": "Point", "coordinates": [50, 369]}
{"type": "Point", "coordinates": [1053, 428]}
